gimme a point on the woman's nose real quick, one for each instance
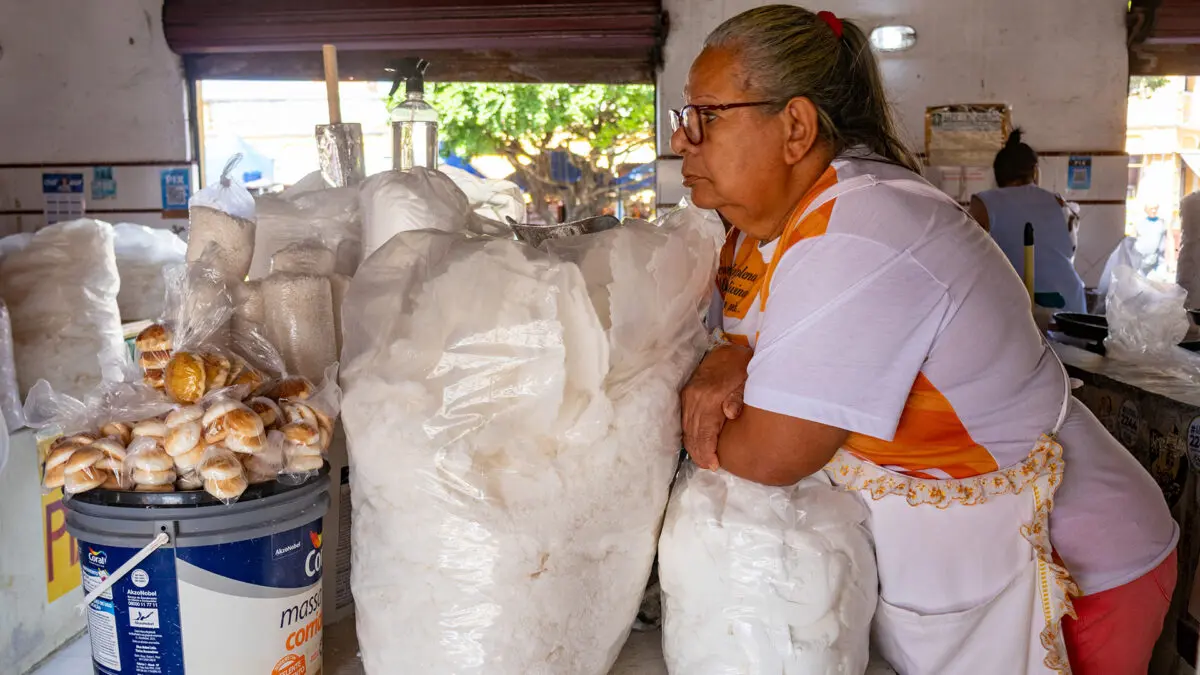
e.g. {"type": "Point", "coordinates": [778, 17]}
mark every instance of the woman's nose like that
{"type": "Point", "coordinates": [680, 143]}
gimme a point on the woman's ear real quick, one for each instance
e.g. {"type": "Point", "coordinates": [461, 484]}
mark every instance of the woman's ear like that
{"type": "Point", "coordinates": [802, 128]}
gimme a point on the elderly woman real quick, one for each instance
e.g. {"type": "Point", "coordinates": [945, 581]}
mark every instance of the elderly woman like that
{"type": "Point", "coordinates": [873, 331]}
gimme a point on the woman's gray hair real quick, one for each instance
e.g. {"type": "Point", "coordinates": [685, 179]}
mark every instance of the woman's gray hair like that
{"type": "Point", "coordinates": [787, 52]}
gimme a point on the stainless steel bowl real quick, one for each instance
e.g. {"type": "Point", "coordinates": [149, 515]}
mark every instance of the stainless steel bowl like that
{"type": "Point", "coordinates": [534, 235]}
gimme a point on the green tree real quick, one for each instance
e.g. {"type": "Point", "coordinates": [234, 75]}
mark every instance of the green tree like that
{"type": "Point", "coordinates": [1145, 85]}
{"type": "Point", "coordinates": [597, 126]}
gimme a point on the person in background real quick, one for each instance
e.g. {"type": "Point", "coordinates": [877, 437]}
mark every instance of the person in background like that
{"type": "Point", "coordinates": [872, 332]}
{"type": "Point", "coordinates": [1187, 271]}
{"type": "Point", "coordinates": [1018, 200]}
{"type": "Point", "coordinates": [1151, 239]}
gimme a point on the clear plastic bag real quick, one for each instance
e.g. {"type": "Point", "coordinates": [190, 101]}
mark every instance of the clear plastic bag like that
{"type": "Point", "coordinates": [300, 323]}
{"type": "Point", "coordinates": [1147, 321]}
{"type": "Point", "coordinates": [308, 210]}
{"type": "Point", "coordinates": [10, 393]}
{"type": "Point", "coordinates": [501, 413]}
{"type": "Point", "coordinates": [421, 199]}
{"type": "Point", "coordinates": [310, 256]}
{"type": "Point", "coordinates": [496, 200]}
{"type": "Point", "coordinates": [223, 474]}
{"type": "Point", "coordinates": [221, 218]}
{"type": "Point", "coordinates": [760, 580]}
{"type": "Point", "coordinates": [142, 253]}
{"type": "Point", "coordinates": [307, 415]}
{"type": "Point", "coordinates": [61, 292]}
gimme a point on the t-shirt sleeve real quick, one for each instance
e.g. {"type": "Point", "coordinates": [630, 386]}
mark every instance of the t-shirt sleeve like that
{"type": "Point", "coordinates": [848, 325]}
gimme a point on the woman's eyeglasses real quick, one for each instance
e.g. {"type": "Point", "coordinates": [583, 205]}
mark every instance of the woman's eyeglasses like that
{"type": "Point", "coordinates": [688, 118]}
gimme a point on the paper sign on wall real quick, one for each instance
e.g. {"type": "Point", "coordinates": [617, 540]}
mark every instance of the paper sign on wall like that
{"type": "Point", "coordinates": [967, 134]}
{"type": "Point", "coordinates": [62, 194]}
{"type": "Point", "coordinates": [1079, 173]}
{"type": "Point", "coordinates": [103, 185]}
{"type": "Point", "coordinates": [176, 189]}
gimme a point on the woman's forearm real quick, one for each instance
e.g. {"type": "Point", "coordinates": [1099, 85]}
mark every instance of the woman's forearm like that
{"type": "Point", "coordinates": [775, 449]}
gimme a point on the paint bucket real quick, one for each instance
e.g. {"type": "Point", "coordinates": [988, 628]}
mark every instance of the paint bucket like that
{"type": "Point", "coordinates": [237, 589]}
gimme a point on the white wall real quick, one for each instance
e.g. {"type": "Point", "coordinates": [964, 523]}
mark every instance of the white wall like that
{"type": "Point", "coordinates": [1061, 65]}
{"type": "Point", "coordinates": [87, 83]}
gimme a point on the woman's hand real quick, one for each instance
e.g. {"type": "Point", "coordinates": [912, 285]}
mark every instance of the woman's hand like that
{"type": "Point", "coordinates": [712, 396]}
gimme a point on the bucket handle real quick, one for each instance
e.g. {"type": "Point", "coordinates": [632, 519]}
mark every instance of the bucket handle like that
{"type": "Point", "coordinates": [161, 540]}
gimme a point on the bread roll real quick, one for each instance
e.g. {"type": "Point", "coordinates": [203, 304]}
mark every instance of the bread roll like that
{"type": "Point", "coordinates": [110, 464]}
{"type": "Point", "coordinates": [227, 488]}
{"type": "Point", "coordinates": [150, 429]}
{"type": "Point", "coordinates": [156, 337]}
{"type": "Point", "coordinates": [55, 477]}
{"type": "Point", "coordinates": [149, 477]}
{"type": "Point", "coordinates": [303, 463]}
{"type": "Point", "coordinates": [268, 411]}
{"type": "Point", "coordinates": [155, 378]}
{"type": "Point", "coordinates": [220, 466]}
{"type": "Point", "coordinates": [75, 440]}
{"type": "Point", "coordinates": [249, 377]}
{"type": "Point", "coordinates": [82, 460]}
{"type": "Point", "coordinates": [189, 481]}
{"type": "Point", "coordinates": [293, 388]}
{"type": "Point", "coordinates": [219, 409]}
{"type": "Point", "coordinates": [152, 459]}
{"type": "Point", "coordinates": [112, 483]}
{"type": "Point", "coordinates": [216, 370]}
{"type": "Point", "coordinates": [299, 412]}
{"type": "Point", "coordinates": [111, 447]}
{"type": "Point", "coordinates": [244, 422]}
{"type": "Point", "coordinates": [186, 377]}
{"type": "Point", "coordinates": [59, 457]}
{"type": "Point", "coordinates": [191, 459]}
{"type": "Point", "coordinates": [185, 414]}
{"type": "Point", "coordinates": [247, 445]}
{"type": "Point", "coordinates": [118, 430]}
{"type": "Point", "coordinates": [82, 481]}
{"type": "Point", "coordinates": [304, 433]}
{"type": "Point", "coordinates": [182, 438]}
{"type": "Point", "coordinates": [154, 360]}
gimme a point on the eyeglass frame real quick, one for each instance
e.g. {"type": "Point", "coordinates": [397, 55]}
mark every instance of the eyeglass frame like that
{"type": "Point", "coordinates": [677, 115]}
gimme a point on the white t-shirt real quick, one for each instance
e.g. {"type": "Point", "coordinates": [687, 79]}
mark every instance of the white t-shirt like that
{"type": "Point", "coordinates": [893, 316]}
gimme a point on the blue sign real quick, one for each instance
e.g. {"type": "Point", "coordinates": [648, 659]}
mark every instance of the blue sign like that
{"type": "Point", "coordinates": [1079, 173]}
{"type": "Point", "coordinates": [103, 185]}
{"type": "Point", "coordinates": [176, 189]}
{"type": "Point", "coordinates": [62, 183]}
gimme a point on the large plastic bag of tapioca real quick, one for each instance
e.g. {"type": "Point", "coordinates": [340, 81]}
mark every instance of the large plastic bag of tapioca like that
{"type": "Point", "coordinates": [60, 286]}
{"type": "Point", "coordinates": [221, 218]}
{"type": "Point", "coordinates": [142, 253]}
{"type": "Point", "coordinates": [513, 423]}
{"type": "Point", "coordinates": [306, 213]}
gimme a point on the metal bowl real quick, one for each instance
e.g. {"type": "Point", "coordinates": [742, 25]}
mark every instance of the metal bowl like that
{"type": "Point", "coordinates": [534, 235]}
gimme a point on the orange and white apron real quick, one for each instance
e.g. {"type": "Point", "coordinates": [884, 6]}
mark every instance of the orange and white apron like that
{"type": "Point", "coordinates": [968, 583]}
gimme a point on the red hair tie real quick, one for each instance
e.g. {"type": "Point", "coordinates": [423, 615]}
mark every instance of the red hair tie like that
{"type": "Point", "coordinates": [835, 24]}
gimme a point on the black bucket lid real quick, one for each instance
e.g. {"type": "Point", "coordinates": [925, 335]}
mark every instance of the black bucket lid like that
{"type": "Point", "coordinates": [190, 498]}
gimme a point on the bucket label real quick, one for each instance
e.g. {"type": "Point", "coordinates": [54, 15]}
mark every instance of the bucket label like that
{"type": "Point", "coordinates": [258, 599]}
{"type": "Point", "coordinates": [134, 626]}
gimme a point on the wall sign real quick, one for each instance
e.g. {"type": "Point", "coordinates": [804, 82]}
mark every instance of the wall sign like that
{"type": "Point", "coordinates": [62, 194]}
{"type": "Point", "coordinates": [176, 189]}
{"type": "Point", "coordinates": [1079, 173]}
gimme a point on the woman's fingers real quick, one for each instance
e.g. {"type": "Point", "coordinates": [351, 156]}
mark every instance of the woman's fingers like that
{"type": "Point", "coordinates": [733, 404]}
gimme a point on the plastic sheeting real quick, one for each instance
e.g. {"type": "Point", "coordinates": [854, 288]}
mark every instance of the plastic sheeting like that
{"type": "Point", "coordinates": [61, 286]}
{"type": "Point", "coordinates": [142, 253]}
{"type": "Point", "coordinates": [761, 580]}
{"type": "Point", "coordinates": [513, 421]}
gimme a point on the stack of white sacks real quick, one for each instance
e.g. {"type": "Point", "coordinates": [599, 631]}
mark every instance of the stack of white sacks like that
{"type": "Point", "coordinates": [513, 419]}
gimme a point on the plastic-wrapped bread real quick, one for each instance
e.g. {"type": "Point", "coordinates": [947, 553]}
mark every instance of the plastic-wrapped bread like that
{"type": "Point", "coordinates": [61, 287]}
{"type": "Point", "coordinates": [299, 322]}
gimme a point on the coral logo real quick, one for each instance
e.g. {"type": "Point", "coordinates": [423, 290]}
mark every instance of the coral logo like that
{"type": "Point", "coordinates": [312, 563]}
{"type": "Point", "coordinates": [98, 558]}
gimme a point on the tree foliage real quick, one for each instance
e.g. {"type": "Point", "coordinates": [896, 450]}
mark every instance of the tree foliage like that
{"type": "Point", "coordinates": [1145, 85]}
{"type": "Point", "coordinates": [597, 126]}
